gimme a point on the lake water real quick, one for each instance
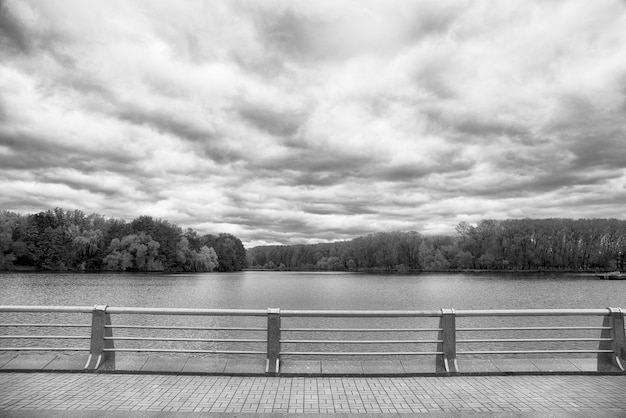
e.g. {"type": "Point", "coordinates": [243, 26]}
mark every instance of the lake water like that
{"type": "Point", "coordinates": [304, 290]}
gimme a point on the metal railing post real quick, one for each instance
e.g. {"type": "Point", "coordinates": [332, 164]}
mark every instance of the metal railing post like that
{"type": "Point", "coordinates": [99, 319]}
{"type": "Point", "coordinates": [273, 342]}
{"type": "Point", "coordinates": [617, 343]}
{"type": "Point", "coordinates": [447, 362]}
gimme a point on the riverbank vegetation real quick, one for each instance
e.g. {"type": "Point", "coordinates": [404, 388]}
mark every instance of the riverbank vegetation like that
{"type": "Point", "coordinates": [71, 240]}
{"type": "Point", "coordinates": [513, 244]}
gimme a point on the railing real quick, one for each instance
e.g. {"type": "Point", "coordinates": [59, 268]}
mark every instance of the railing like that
{"type": "Point", "coordinates": [413, 342]}
{"type": "Point", "coordinates": [56, 337]}
{"type": "Point", "coordinates": [282, 341]}
{"type": "Point", "coordinates": [611, 345]}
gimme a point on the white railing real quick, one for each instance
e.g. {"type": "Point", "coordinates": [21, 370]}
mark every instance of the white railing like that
{"type": "Point", "coordinates": [279, 341]}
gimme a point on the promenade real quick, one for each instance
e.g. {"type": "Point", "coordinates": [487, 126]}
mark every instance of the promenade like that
{"type": "Point", "coordinates": [105, 379]}
{"type": "Point", "coordinates": [102, 395]}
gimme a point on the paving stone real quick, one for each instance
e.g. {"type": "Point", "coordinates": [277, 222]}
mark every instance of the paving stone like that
{"type": "Point", "coordinates": [301, 367]}
{"type": "Point", "coordinates": [476, 366]}
{"type": "Point", "coordinates": [126, 362]}
{"type": "Point", "coordinates": [68, 363]}
{"type": "Point", "coordinates": [585, 364]}
{"type": "Point", "coordinates": [420, 366]}
{"type": "Point", "coordinates": [554, 365]}
{"type": "Point", "coordinates": [341, 368]}
{"type": "Point", "coordinates": [164, 364]}
{"type": "Point", "coordinates": [5, 358]}
{"type": "Point", "coordinates": [382, 367]}
{"type": "Point", "coordinates": [245, 366]}
{"type": "Point", "coordinates": [515, 365]}
{"type": "Point", "coordinates": [204, 365]}
{"type": "Point", "coordinates": [605, 367]}
{"type": "Point", "coordinates": [29, 362]}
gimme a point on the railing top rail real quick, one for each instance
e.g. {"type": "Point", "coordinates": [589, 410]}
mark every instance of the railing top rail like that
{"type": "Point", "coordinates": [358, 313]}
{"type": "Point", "coordinates": [62, 309]}
{"type": "Point", "coordinates": [532, 312]}
{"type": "Point", "coordinates": [134, 310]}
{"type": "Point", "coordinates": [186, 311]}
{"type": "Point", "coordinates": [311, 313]}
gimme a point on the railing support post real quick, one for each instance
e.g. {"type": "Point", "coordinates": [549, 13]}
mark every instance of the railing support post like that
{"type": "Point", "coordinates": [447, 362]}
{"type": "Point", "coordinates": [273, 342]}
{"type": "Point", "coordinates": [97, 355]}
{"type": "Point", "coordinates": [615, 320]}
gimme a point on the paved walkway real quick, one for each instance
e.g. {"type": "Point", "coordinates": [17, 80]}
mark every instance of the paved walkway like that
{"type": "Point", "coordinates": [86, 394]}
{"type": "Point", "coordinates": [182, 364]}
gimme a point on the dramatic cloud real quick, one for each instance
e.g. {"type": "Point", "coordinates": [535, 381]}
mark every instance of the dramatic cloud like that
{"type": "Point", "coordinates": [286, 122]}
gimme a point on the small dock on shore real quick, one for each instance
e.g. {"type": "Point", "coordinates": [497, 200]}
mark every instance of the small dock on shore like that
{"type": "Point", "coordinates": [611, 275]}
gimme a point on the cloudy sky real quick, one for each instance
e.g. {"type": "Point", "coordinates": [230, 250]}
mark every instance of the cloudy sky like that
{"type": "Point", "coordinates": [298, 122]}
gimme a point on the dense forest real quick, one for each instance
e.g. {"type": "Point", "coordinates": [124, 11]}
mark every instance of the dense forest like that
{"type": "Point", "coordinates": [70, 240]}
{"type": "Point", "coordinates": [513, 244]}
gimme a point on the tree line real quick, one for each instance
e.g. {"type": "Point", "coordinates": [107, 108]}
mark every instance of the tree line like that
{"type": "Point", "coordinates": [512, 244]}
{"type": "Point", "coordinates": [71, 240]}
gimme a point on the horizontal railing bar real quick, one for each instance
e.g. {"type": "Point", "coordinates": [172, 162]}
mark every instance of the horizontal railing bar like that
{"type": "Point", "coordinates": [165, 350]}
{"type": "Point", "coordinates": [186, 328]}
{"type": "Point", "coordinates": [533, 351]}
{"type": "Point", "coordinates": [62, 309]}
{"type": "Point", "coordinates": [359, 329]}
{"type": "Point", "coordinates": [44, 348]}
{"type": "Point", "coordinates": [532, 328]}
{"type": "Point", "coordinates": [41, 337]}
{"type": "Point", "coordinates": [366, 353]}
{"type": "Point", "coordinates": [532, 312]}
{"type": "Point", "coordinates": [306, 313]}
{"type": "Point", "coordinates": [529, 340]}
{"type": "Point", "coordinates": [360, 341]}
{"type": "Point", "coordinates": [360, 313]}
{"type": "Point", "coordinates": [186, 311]}
{"type": "Point", "coordinates": [216, 340]}
{"type": "Point", "coordinates": [47, 325]}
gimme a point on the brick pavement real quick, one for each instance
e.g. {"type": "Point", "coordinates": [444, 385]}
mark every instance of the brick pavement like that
{"type": "Point", "coordinates": [71, 393]}
{"type": "Point", "coordinates": [184, 364]}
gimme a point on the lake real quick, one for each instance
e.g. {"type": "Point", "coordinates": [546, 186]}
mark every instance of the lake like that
{"type": "Point", "coordinates": [315, 290]}
{"type": "Point", "coordinates": [305, 290]}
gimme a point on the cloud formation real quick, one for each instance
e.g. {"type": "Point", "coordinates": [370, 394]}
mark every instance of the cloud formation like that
{"type": "Point", "coordinates": [288, 122]}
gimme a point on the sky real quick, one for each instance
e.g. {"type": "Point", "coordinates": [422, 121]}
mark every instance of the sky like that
{"type": "Point", "coordinates": [287, 122]}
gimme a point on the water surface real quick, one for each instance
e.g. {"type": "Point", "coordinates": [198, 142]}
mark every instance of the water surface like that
{"type": "Point", "coordinates": [304, 290]}
{"type": "Point", "coordinates": [323, 291]}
